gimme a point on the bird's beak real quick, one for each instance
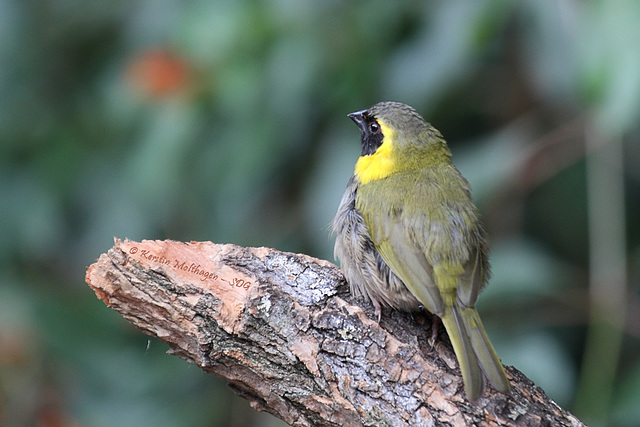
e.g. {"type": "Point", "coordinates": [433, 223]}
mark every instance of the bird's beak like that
{"type": "Point", "coordinates": [358, 118]}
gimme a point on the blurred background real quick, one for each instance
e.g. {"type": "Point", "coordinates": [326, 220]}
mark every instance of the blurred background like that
{"type": "Point", "coordinates": [226, 121]}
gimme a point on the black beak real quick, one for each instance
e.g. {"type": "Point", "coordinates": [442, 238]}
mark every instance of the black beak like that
{"type": "Point", "coordinates": [358, 118]}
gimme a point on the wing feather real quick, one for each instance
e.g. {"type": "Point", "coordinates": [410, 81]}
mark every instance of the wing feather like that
{"type": "Point", "coordinates": [409, 263]}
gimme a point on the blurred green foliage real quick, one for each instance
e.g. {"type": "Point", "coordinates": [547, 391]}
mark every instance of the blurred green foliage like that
{"type": "Point", "coordinates": [225, 121]}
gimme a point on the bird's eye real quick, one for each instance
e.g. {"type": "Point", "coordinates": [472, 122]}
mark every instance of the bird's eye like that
{"type": "Point", "coordinates": [374, 128]}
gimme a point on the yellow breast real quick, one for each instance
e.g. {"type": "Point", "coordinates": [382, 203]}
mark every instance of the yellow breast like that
{"type": "Point", "coordinates": [379, 164]}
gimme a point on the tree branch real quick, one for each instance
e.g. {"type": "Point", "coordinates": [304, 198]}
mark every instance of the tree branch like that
{"type": "Point", "coordinates": [283, 330]}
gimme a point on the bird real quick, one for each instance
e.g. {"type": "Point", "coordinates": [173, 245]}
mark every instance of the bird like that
{"type": "Point", "coordinates": [408, 235]}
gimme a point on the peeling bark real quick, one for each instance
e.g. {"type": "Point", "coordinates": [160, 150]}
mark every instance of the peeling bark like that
{"type": "Point", "coordinates": [283, 330]}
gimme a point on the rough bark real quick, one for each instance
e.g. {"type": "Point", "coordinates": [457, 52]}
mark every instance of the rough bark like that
{"type": "Point", "coordinates": [283, 330]}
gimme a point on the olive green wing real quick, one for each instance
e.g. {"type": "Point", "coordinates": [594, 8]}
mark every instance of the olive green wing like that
{"type": "Point", "coordinates": [407, 260]}
{"type": "Point", "coordinates": [407, 257]}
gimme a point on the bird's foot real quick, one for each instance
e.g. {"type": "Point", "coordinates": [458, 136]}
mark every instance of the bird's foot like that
{"type": "Point", "coordinates": [377, 309]}
{"type": "Point", "coordinates": [435, 326]}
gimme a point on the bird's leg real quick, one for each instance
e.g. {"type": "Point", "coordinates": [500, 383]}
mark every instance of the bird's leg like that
{"type": "Point", "coordinates": [377, 309]}
{"type": "Point", "coordinates": [435, 326]}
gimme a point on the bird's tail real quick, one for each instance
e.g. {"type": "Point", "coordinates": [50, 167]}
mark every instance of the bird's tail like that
{"type": "Point", "coordinates": [474, 351]}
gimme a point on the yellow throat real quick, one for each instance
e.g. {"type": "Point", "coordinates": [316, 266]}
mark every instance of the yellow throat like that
{"type": "Point", "coordinates": [379, 164]}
